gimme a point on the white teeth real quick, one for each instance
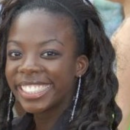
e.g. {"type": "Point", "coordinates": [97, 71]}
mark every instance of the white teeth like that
{"type": "Point", "coordinates": [35, 88]}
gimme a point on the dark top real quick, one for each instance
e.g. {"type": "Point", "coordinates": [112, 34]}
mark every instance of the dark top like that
{"type": "Point", "coordinates": [26, 122]}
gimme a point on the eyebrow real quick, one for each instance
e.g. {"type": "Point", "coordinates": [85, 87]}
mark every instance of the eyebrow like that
{"type": "Point", "coordinates": [51, 40]}
{"type": "Point", "coordinates": [41, 43]}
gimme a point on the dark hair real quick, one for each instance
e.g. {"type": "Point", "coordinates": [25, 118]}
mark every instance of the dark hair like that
{"type": "Point", "coordinates": [97, 107]}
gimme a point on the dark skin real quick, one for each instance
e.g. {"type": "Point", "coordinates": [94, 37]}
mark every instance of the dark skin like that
{"type": "Point", "coordinates": [42, 53]}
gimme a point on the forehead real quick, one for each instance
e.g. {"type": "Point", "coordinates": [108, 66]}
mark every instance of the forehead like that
{"type": "Point", "coordinates": [40, 23]}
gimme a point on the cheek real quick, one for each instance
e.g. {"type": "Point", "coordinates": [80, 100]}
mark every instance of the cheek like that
{"type": "Point", "coordinates": [10, 71]}
{"type": "Point", "coordinates": [63, 78]}
{"type": "Point", "coordinates": [8, 74]}
{"type": "Point", "coordinates": [62, 73]}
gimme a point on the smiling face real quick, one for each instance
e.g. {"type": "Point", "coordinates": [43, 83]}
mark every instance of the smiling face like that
{"type": "Point", "coordinates": [41, 66]}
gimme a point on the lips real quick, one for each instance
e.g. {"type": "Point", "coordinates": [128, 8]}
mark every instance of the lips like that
{"type": "Point", "coordinates": [34, 90]}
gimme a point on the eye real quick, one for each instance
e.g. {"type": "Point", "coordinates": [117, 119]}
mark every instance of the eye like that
{"type": "Point", "coordinates": [50, 54]}
{"type": "Point", "coordinates": [15, 54]}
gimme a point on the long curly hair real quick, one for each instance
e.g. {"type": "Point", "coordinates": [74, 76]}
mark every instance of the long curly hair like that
{"type": "Point", "coordinates": [97, 107]}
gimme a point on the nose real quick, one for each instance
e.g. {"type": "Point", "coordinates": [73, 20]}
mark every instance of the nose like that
{"type": "Point", "coordinates": [29, 66]}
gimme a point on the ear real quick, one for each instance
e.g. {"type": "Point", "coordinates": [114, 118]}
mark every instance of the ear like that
{"type": "Point", "coordinates": [82, 64]}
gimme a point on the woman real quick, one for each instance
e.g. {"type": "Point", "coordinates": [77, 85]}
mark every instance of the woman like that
{"type": "Point", "coordinates": [57, 62]}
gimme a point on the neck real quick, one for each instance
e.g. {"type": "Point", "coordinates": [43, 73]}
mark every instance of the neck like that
{"type": "Point", "coordinates": [126, 5]}
{"type": "Point", "coordinates": [47, 119]}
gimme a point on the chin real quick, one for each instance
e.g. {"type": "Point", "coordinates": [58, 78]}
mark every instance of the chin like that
{"type": "Point", "coordinates": [34, 109]}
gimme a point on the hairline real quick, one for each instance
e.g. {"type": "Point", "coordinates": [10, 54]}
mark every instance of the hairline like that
{"type": "Point", "coordinates": [73, 24]}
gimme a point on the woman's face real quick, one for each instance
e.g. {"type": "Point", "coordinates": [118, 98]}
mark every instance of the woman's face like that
{"type": "Point", "coordinates": [41, 66]}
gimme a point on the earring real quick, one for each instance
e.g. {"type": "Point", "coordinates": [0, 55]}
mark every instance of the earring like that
{"type": "Point", "coordinates": [87, 2]}
{"type": "Point", "coordinates": [76, 100]}
{"type": "Point", "coordinates": [10, 105]}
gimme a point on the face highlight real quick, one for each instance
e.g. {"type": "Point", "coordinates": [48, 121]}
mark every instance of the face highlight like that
{"type": "Point", "coordinates": [41, 66]}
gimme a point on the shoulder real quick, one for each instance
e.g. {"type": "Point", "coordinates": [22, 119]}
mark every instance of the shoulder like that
{"type": "Point", "coordinates": [120, 38]}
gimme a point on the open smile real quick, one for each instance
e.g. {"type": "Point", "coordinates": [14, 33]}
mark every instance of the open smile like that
{"type": "Point", "coordinates": [33, 91]}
